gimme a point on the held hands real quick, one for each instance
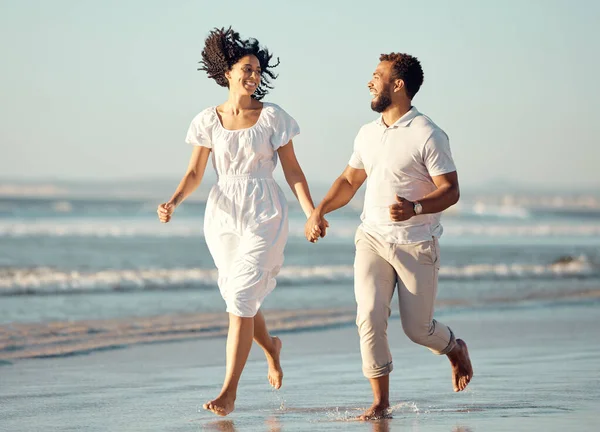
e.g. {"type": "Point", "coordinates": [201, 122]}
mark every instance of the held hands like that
{"type": "Point", "coordinates": [402, 210]}
{"type": "Point", "coordinates": [165, 210]}
{"type": "Point", "coordinates": [315, 227]}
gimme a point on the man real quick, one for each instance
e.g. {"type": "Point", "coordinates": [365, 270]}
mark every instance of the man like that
{"type": "Point", "coordinates": [412, 179]}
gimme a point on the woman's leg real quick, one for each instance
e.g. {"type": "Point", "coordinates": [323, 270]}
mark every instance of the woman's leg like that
{"type": "Point", "coordinates": [239, 342]}
{"type": "Point", "coordinates": [271, 345]}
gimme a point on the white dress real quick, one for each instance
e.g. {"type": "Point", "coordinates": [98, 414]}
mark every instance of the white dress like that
{"type": "Point", "coordinates": [246, 221]}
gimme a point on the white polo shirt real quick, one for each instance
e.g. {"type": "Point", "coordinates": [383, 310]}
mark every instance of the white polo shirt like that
{"type": "Point", "coordinates": [401, 159]}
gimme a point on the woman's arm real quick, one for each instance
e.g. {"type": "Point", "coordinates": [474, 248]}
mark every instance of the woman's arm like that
{"type": "Point", "coordinates": [341, 192]}
{"type": "Point", "coordinates": [295, 177]}
{"type": "Point", "coordinates": [190, 181]}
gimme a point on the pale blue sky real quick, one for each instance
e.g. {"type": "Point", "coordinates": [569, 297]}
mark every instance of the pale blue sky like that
{"type": "Point", "coordinates": [106, 89]}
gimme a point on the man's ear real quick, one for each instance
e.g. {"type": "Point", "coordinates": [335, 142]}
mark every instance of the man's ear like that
{"type": "Point", "coordinates": [398, 85]}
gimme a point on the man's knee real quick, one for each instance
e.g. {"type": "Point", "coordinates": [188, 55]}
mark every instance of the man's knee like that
{"type": "Point", "coordinates": [419, 333]}
{"type": "Point", "coordinates": [372, 319]}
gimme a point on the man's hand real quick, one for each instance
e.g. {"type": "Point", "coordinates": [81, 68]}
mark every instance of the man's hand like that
{"type": "Point", "coordinates": [402, 210]}
{"type": "Point", "coordinates": [165, 211]}
{"type": "Point", "coordinates": [315, 227]}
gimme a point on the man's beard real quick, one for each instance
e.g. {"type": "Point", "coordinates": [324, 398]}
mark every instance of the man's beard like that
{"type": "Point", "coordinates": [382, 101]}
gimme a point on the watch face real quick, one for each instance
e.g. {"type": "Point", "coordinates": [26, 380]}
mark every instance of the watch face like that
{"type": "Point", "coordinates": [418, 208]}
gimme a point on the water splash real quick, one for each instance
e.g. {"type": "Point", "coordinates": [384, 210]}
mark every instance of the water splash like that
{"type": "Point", "coordinates": [341, 415]}
{"type": "Point", "coordinates": [280, 399]}
{"type": "Point", "coordinates": [404, 408]}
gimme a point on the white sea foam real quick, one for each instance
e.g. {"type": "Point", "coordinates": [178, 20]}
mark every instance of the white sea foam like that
{"type": "Point", "coordinates": [97, 228]}
{"type": "Point", "coordinates": [44, 280]}
{"type": "Point", "coordinates": [339, 228]}
{"type": "Point", "coordinates": [580, 266]}
{"type": "Point", "coordinates": [48, 280]}
{"type": "Point", "coordinates": [540, 230]}
{"type": "Point", "coordinates": [500, 211]}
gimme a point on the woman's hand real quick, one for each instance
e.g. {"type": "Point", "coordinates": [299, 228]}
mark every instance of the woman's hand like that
{"type": "Point", "coordinates": [315, 227]}
{"type": "Point", "coordinates": [191, 180]}
{"type": "Point", "coordinates": [165, 210]}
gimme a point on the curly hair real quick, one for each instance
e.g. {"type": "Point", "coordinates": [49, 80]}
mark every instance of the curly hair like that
{"type": "Point", "coordinates": [408, 69]}
{"type": "Point", "coordinates": [224, 47]}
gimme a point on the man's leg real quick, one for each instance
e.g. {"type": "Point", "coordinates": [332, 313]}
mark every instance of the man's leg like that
{"type": "Point", "coordinates": [417, 266]}
{"type": "Point", "coordinates": [374, 283]}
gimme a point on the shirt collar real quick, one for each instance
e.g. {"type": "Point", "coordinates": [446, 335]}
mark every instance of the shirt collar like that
{"type": "Point", "coordinates": [403, 121]}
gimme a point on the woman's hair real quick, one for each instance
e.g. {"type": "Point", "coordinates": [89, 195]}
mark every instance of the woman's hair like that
{"type": "Point", "coordinates": [224, 47]}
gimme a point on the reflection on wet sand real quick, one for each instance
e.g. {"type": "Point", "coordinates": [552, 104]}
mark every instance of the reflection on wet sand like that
{"type": "Point", "coordinates": [273, 424]}
{"type": "Point", "coordinates": [221, 425]}
{"type": "Point", "coordinates": [382, 425]}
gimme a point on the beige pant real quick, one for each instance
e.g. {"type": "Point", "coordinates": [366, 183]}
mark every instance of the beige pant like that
{"type": "Point", "coordinates": [380, 266]}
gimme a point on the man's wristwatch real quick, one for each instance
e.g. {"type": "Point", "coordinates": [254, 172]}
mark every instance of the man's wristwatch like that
{"type": "Point", "coordinates": [417, 207]}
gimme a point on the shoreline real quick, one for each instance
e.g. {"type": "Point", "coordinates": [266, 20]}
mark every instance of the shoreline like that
{"type": "Point", "coordinates": [19, 341]}
{"type": "Point", "coordinates": [520, 381]}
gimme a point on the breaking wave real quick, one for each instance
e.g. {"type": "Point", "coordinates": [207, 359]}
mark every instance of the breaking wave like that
{"type": "Point", "coordinates": [45, 280]}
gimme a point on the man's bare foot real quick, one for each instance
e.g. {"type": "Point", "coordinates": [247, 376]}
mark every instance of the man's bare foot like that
{"type": "Point", "coordinates": [462, 371]}
{"type": "Point", "coordinates": [275, 372]}
{"type": "Point", "coordinates": [376, 412]}
{"type": "Point", "coordinates": [222, 405]}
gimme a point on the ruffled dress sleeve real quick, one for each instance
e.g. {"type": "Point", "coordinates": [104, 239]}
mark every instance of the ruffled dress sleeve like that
{"type": "Point", "coordinates": [200, 130]}
{"type": "Point", "coordinates": [284, 126]}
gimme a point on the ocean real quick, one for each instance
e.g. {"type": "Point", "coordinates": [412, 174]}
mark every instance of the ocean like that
{"type": "Point", "coordinates": [110, 320]}
{"type": "Point", "coordinates": [89, 265]}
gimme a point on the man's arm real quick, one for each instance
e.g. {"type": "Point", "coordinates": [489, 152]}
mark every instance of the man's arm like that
{"type": "Point", "coordinates": [446, 195]}
{"type": "Point", "coordinates": [341, 192]}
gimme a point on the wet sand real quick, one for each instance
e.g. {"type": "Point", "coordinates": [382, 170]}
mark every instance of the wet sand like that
{"type": "Point", "coordinates": [536, 368]}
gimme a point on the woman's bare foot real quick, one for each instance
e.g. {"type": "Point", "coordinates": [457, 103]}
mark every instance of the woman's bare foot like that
{"type": "Point", "coordinates": [222, 405]}
{"type": "Point", "coordinates": [275, 372]}
{"type": "Point", "coordinates": [376, 412]}
{"type": "Point", "coordinates": [462, 370]}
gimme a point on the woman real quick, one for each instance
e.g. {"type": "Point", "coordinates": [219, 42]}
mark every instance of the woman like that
{"type": "Point", "coordinates": [246, 221]}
